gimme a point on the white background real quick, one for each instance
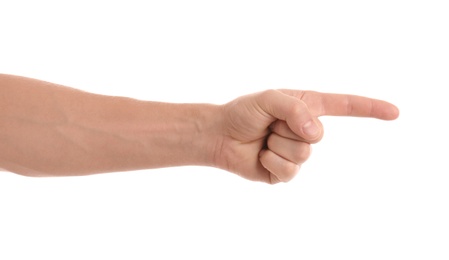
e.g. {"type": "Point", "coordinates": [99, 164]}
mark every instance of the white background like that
{"type": "Point", "coordinates": [371, 190]}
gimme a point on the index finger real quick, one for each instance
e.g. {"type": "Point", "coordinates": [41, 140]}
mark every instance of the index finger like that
{"type": "Point", "coordinates": [329, 104]}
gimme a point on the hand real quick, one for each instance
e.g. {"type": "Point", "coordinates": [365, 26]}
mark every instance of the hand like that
{"type": "Point", "coordinates": [267, 135]}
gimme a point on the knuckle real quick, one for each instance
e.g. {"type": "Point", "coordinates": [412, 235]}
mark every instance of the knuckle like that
{"type": "Point", "coordinates": [291, 170]}
{"type": "Point", "coordinates": [268, 94]}
{"type": "Point", "coordinates": [302, 153]}
{"type": "Point", "coordinates": [286, 174]}
{"type": "Point", "coordinates": [297, 108]}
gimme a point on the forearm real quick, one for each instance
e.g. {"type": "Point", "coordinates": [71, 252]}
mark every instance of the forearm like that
{"type": "Point", "coordinates": [51, 130]}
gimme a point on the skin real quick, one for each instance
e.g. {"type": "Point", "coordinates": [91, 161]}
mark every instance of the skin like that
{"type": "Point", "coordinates": [52, 130]}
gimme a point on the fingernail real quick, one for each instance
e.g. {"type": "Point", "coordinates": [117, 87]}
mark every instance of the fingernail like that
{"type": "Point", "coordinates": [311, 129]}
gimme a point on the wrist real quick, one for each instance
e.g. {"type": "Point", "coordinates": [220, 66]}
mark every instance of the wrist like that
{"type": "Point", "coordinates": [205, 140]}
{"type": "Point", "coordinates": [185, 134]}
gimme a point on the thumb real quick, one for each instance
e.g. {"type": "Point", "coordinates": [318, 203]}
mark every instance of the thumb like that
{"type": "Point", "coordinates": [291, 110]}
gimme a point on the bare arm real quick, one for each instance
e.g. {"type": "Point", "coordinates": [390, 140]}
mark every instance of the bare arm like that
{"type": "Point", "coordinates": [52, 130]}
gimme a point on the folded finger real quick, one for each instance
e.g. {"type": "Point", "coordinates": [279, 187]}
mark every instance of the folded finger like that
{"type": "Point", "coordinates": [295, 151]}
{"type": "Point", "coordinates": [281, 169]}
{"type": "Point", "coordinates": [281, 128]}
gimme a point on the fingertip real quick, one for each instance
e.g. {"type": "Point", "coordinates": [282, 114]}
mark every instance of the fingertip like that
{"type": "Point", "coordinates": [392, 113]}
{"type": "Point", "coordinates": [311, 129]}
{"type": "Point", "coordinates": [396, 112]}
